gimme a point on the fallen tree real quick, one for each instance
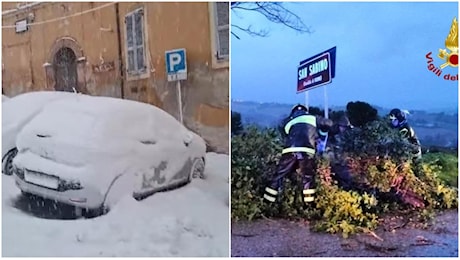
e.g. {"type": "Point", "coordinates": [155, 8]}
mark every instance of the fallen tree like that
{"type": "Point", "coordinates": [377, 160]}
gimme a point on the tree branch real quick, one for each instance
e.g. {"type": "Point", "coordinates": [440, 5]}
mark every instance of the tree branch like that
{"type": "Point", "coordinates": [274, 12]}
{"type": "Point", "coordinates": [261, 33]}
{"type": "Point", "coordinates": [234, 34]}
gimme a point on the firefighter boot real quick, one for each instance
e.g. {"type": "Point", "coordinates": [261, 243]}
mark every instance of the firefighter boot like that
{"type": "Point", "coordinates": [307, 167]}
{"type": "Point", "coordinates": [308, 189]}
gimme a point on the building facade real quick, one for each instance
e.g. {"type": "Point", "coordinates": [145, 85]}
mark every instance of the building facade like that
{"type": "Point", "coordinates": [118, 50]}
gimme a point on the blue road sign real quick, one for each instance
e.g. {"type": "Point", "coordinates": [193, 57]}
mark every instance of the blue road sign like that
{"type": "Point", "coordinates": [176, 64]}
{"type": "Point", "coordinates": [332, 52]}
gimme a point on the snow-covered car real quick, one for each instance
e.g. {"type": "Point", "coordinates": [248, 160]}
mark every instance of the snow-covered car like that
{"type": "Point", "coordinates": [88, 152]}
{"type": "Point", "coordinates": [18, 111]}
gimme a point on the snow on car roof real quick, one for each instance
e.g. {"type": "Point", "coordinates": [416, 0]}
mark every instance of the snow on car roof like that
{"type": "Point", "coordinates": [87, 131]}
{"type": "Point", "coordinates": [20, 109]}
{"type": "Point", "coordinates": [23, 106]}
{"type": "Point", "coordinates": [110, 114]}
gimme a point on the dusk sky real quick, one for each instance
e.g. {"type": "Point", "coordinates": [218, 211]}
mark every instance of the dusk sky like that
{"type": "Point", "coordinates": [381, 49]}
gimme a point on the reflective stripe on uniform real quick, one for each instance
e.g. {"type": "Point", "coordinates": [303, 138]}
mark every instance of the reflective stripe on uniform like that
{"type": "Point", "coordinates": [271, 191]}
{"type": "Point", "coordinates": [412, 133]}
{"type": "Point", "coordinates": [322, 133]}
{"type": "Point", "coordinates": [309, 191]}
{"type": "Point", "coordinates": [403, 131]}
{"type": "Point", "coordinates": [307, 119]}
{"type": "Point", "coordinates": [269, 198]}
{"type": "Point", "coordinates": [299, 149]}
{"type": "Point", "coordinates": [308, 199]}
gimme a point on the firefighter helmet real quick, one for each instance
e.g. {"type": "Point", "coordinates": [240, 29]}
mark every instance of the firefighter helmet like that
{"type": "Point", "coordinates": [299, 107]}
{"type": "Point", "coordinates": [397, 117]}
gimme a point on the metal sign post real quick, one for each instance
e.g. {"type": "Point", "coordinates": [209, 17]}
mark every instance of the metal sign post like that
{"type": "Point", "coordinates": [176, 68]}
{"type": "Point", "coordinates": [306, 99]}
{"type": "Point", "coordinates": [326, 107]}
{"type": "Point", "coordinates": [179, 97]}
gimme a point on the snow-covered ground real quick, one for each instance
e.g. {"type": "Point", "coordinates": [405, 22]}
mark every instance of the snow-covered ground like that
{"type": "Point", "coordinates": [190, 221]}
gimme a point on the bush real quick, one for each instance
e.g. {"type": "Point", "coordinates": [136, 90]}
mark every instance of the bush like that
{"type": "Point", "coordinates": [254, 156]}
{"type": "Point", "coordinates": [374, 139]}
{"type": "Point", "coordinates": [361, 113]}
{"type": "Point", "coordinates": [376, 162]}
{"type": "Point", "coordinates": [342, 211]}
{"type": "Point", "coordinates": [237, 125]}
{"type": "Point", "coordinates": [448, 166]}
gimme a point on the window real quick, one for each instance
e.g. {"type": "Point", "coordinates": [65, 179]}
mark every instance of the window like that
{"type": "Point", "coordinates": [135, 44]}
{"type": "Point", "coordinates": [220, 32]}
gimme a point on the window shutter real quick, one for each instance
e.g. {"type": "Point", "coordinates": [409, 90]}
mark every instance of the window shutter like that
{"type": "Point", "coordinates": [222, 13]}
{"type": "Point", "coordinates": [223, 29]}
{"type": "Point", "coordinates": [139, 31]}
{"type": "Point", "coordinates": [129, 31]}
{"type": "Point", "coordinates": [130, 43]}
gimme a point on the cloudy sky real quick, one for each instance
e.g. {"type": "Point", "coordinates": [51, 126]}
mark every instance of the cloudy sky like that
{"type": "Point", "coordinates": [381, 49]}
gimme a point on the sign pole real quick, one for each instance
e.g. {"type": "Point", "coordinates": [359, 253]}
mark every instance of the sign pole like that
{"type": "Point", "coordinates": [179, 97]}
{"type": "Point", "coordinates": [306, 99]}
{"type": "Point", "coordinates": [326, 107]}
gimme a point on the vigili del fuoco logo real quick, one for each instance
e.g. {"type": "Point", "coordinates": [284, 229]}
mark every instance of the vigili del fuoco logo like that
{"type": "Point", "coordinates": [449, 57]}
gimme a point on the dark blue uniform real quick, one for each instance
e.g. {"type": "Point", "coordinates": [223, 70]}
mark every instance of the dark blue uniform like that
{"type": "Point", "coordinates": [301, 132]}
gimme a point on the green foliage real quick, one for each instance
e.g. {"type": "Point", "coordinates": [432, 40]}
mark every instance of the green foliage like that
{"type": "Point", "coordinates": [376, 138]}
{"type": "Point", "coordinates": [254, 156]}
{"type": "Point", "coordinates": [448, 166]}
{"type": "Point", "coordinates": [376, 160]}
{"type": "Point", "coordinates": [383, 174]}
{"type": "Point", "coordinates": [237, 126]}
{"type": "Point", "coordinates": [316, 111]}
{"type": "Point", "coordinates": [336, 115]}
{"type": "Point", "coordinates": [342, 212]}
{"type": "Point", "coordinates": [333, 115]}
{"type": "Point", "coordinates": [360, 113]}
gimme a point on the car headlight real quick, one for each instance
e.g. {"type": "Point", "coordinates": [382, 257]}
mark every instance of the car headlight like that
{"type": "Point", "coordinates": [19, 172]}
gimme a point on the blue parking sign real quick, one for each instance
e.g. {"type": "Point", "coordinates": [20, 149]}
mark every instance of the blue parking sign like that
{"type": "Point", "coordinates": [176, 64]}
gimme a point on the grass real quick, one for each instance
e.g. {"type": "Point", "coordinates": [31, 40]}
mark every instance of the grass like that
{"type": "Point", "coordinates": [449, 166]}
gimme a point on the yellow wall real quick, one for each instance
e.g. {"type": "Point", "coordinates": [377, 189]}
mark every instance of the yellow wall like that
{"type": "Point", "coordinates": [169, 26]}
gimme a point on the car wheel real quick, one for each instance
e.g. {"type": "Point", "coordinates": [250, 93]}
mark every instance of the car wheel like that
{"type": "Point", "coordinates": [197, 170]}
{"type": "Point", "coordinates": [7, 163]}
{"type": "Point", "coordinates": [78, 212]}
{"type": "Point", "coordinates": [92, 213]}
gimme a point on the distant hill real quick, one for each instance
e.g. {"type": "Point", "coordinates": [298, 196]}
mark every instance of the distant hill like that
{"type": "Point", "coordinates": [433, 128]}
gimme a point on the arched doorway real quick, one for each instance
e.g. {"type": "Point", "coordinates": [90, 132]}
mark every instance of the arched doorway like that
{"type": "Point", "coordinates": [65, 66]}
{"type": "Point", "coordinates": [65, 70]}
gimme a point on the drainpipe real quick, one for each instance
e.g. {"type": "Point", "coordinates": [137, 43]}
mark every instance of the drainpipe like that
{"type": "Point", "coordinates": [120, 59]}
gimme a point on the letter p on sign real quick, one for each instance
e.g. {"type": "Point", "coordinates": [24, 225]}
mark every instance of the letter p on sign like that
{"type": "Point", "coordinates": [176, 65]}
{"type": "Point", "coordinates": [174, 59]}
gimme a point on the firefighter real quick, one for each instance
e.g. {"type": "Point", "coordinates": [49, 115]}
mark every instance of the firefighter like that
{"type": "Point", "coordinates": [301, 132]}
{"type": "Point", "coordinates": [399, 121]}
